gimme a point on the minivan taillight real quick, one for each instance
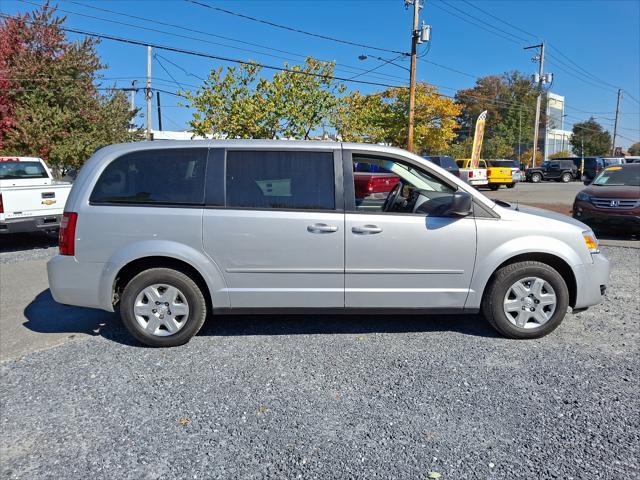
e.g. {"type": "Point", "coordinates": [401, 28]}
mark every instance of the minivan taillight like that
{"type": "Point", "coordinates": [67, 237]}
{"type": "Point", "coordinates": [1, 204]}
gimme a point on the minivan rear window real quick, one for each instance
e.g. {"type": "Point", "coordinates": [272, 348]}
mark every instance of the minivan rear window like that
{"type": "Point", "coordinates": [164, 177]}
{"type": "Point", "coordinates": [280, 180]}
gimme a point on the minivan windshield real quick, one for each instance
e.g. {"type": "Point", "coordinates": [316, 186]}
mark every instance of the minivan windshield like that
{"type": "Point", "coordinates": [13, 170]}
{"type": "Point", "coordinates": [618, 176]}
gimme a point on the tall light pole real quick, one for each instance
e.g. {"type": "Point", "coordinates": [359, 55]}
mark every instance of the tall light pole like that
{"type": "Point", "coordinates": [148, 95]}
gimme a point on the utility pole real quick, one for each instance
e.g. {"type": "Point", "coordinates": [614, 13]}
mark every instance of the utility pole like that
{"type": "Point", "coordinates": [540, 80]}
{"type": "Point", "coordinates": [412, 73]}
{"type": "Point", "coordinates": [159, 111]}
{"type": "Point", "coordinates": [132, 98]}
{"type": "Point", "coordinates": [615, 125]}
{"type": "Point", "coordinates": [148, 95]}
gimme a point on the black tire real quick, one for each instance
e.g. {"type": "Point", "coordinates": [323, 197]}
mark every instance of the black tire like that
{"type": "Point", "coordinates": [494, 187]}
{"type": "Point", "coordinates": [193, 296]}
{"type": "Point", "coordinates": [566, 177]}
{"type": "Point", "coordinates": [492, 301]}
{"type": "Point", "coordinates": [536, 178]}
{"type": "Point", "coordinates": [511, 185]}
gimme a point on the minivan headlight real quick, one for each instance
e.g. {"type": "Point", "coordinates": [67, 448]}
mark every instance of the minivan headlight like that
{"type": "Point", "coordinates": [583, 197]}
{"type": "Point", "coordinates": [590, 241]}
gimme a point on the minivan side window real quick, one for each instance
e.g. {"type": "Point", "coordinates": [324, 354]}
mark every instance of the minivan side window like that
{"type": "Point", "coordinates": [155, 176]}
{"type": "Point", "coordinates": [280, 180]}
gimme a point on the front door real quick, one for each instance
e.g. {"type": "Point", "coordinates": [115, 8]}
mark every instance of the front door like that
{"type": "Point", "coordinates": [277, 233]}
{"type": "Point", "coordinates": [405, 251]}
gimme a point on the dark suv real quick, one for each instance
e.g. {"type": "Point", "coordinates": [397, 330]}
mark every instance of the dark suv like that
{"type": "Point", "coordinates": [560, 170]}
{"type": "Point", "coordinates": [591, 168]}
{"type": "Point", "coordinates": [446, 162]}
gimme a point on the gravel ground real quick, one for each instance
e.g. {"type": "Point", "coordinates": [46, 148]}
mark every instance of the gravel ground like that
{"type": "Point", "coordinates": [16, 248]}
{"type": "Point", "coordinates": [337, 397]}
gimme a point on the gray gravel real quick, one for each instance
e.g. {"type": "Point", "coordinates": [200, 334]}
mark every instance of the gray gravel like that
{"type": "Point", "coordinates": [16, 248]}
{"type": "Point", "coordinates": [336, 397]}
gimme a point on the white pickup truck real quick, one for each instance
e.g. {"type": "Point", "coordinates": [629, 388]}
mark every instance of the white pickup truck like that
{"type": "Point", "coordinates": [473, 176]}
{"type": "Point", "coordinates": [30, 199]}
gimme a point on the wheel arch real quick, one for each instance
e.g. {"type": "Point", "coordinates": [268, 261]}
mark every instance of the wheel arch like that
{"type": "Point", "coordinates": [554, 261]}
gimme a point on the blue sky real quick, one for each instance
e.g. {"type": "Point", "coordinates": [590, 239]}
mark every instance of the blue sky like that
{"type": "Point", "coordinates": [594, 46]}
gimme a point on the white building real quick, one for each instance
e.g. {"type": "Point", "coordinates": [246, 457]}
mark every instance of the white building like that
{"type": "Point", "coordinates": [553, 137]}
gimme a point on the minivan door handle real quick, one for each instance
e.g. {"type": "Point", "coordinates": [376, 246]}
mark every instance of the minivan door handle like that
{"type": "Point", "coordinates": [322, 228]}
{"type": "Point", "coordinates": [366, 229]}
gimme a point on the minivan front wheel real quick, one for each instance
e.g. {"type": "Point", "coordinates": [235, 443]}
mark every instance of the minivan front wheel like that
{"type": "Point", "coordinates": [162, 307]}
{"type": "Point", "coordinates": [526, 300]}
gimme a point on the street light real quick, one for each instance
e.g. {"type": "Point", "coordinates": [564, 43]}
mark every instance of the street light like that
{"type": "Point", "coordinates": [385, 60]}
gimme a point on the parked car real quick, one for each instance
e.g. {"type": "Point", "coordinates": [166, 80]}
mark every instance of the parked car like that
{"type": "Point", "coordinates": [168, 231]}
{"type": "Point", "coordinates": [372, 184]}
{"type": "Point", "coordinates": [30, 199]}
{"type": "Point", "coordinates": [446, 162]}
{"type": "Point", "coordinates": [502, 172]}
{"type": "Point", "coordinates": [590, 168]}
{"type": "Point", "coordinates": [473, 176]}
{"type": "Point", "coordinates": [559, 169]}
{"type": "Point", "coordinates": [612, 200]}
{"type": "Point", "coordinates": [613, 161]}
{"type": "Point", "coordinates": [631, 159]}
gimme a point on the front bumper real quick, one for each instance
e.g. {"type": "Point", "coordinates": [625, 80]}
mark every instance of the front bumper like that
{"type": "Point", "coordinates": [82, 284]}
{"type": "Point", "coordinates": [591, 281]}
{"type": "Point", "coordinates": [611, 218]}
{"type": "Point", "coordinates": [30, 224]}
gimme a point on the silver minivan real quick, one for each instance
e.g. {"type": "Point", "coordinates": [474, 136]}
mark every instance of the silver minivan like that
{"type": "Point", "coordinates": [171, 231]}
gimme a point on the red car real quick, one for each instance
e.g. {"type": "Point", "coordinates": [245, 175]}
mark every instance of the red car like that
{"type": "Point", "coordinates": [612, 200]}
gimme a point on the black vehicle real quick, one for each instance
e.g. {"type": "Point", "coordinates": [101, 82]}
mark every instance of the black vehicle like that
{"type": "Point", "coordinates": [446, 162]}
{"type": "Point", "coordinates": [592, 166]}
{"type": "Point", "coordinates": [559, 169]}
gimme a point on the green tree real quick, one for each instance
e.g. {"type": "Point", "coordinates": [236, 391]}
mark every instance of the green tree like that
{"type": "Point", "coordinates": [634, 150]}
{"type": "Point", "coordinates": [383, 118]}
{"type": "Point", "coordinates": [239, 104]}
{"type": "Point", "coordinates": [510, 101]}
{"type": "Point", "coordinates": [54, 109]}
{"type": "Point", "coordinates": [592, 136]}
{"type": "Point", "coordinates": [560, 154]}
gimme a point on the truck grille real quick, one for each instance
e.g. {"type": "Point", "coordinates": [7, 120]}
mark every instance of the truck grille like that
{"type": "Point", "coordinates": [615, 202]}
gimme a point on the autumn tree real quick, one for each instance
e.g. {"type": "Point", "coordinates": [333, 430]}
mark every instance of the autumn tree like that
{"type": "Point", "coordinates": [238, 103]}
{"type": "Point", "coordinates": [383, 117]}
{"type": "Point", "coordinates": [634, 150]}
{"type": "Point", "coordinates": [510, 101]}
{"type": "Point", "coordinates": [590, 139]}
{"type": "Point", "coordinates": [50, 102]}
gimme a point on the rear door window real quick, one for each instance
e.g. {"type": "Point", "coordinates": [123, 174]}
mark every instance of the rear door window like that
{"type": "Point", "coordinates": [156, 176]}
{"type": "Point", "coordinates": [280, 180]}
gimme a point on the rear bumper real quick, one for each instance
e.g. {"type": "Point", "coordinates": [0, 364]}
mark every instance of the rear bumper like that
{"type": "Point", "coordinates": [592, 280]}
{"type": "Point", "coordinates": [30, 224]}
{"type": "Point", "coordinates": [82, 284]}
{"type": "Point", "coordinates": [477, 181]}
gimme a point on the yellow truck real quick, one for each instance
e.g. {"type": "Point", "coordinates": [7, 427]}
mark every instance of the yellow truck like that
{"type": "Point", "coordinates": [502, 172]}
{"type": "Point", "coordinates": [496, 174]}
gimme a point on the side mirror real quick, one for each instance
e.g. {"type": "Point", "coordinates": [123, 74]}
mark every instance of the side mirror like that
{"type": "Point", "coordinates": [461, 205]}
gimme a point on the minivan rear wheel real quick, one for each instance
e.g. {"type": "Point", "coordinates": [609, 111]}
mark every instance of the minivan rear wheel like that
{"type": "Point", "coordinates": [526, 300]}
{"type": "Point", "coordinates": [162, 307]}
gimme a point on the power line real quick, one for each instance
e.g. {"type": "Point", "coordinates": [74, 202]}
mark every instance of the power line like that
{"type": "Point", "coordinates": [296, 30]}
{"type": "Point", "coordinates": [215, 57]}
{"type": "Point", "coordinates": [515, 27]}
{"type": "Point", "coordinates": [339, 67]}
